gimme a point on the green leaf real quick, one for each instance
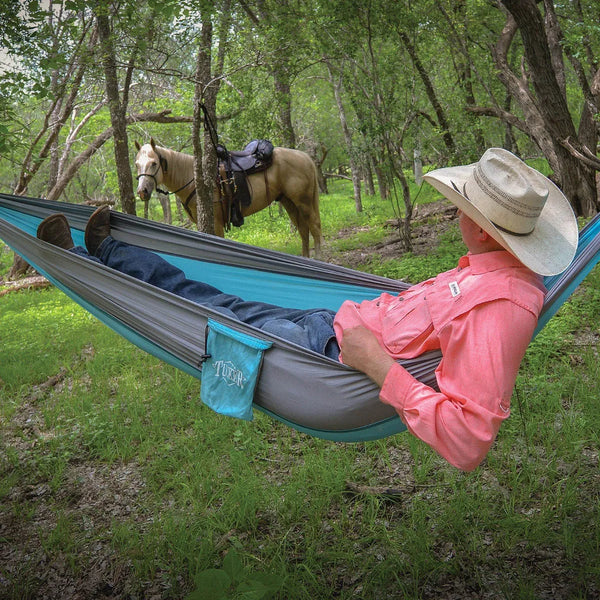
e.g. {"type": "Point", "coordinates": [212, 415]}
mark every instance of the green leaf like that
{"type": "Point", "coordinates": [232, 564]}
{"type": "Point", "coordinates": [211, 584]}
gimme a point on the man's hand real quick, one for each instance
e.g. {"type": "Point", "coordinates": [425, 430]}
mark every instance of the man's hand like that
{"type": "Point", "coordinates": [361, 350]}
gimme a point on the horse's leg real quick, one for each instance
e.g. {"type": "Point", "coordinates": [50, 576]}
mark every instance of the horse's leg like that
{"type": "Point", "coordinates": [317, 240]}
{"type": "Point", "coordinates": [314, 224]}
{"type": "Point", "coordinates": [309, 222]}
{"type": "Point", "coordinates": [304, 227]}
{"type": "Point", "coordinates": [165, 204]}
{"type": "Point", "coordinates": [179, 209]}
{"type": "Point", "coordinates": [168, 215]}
{"type": "Point", "coordinates": [303, 231]}
{"type": "Point", "coordinates": [290, 209]}
{"type": "Point", "coordinates": [146, 202]}
{"type": "Point", "coordinates": [299, 221]}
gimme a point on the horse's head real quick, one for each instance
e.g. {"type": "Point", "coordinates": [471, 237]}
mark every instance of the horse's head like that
{"type": "Point", "coordinates": [151, 167]}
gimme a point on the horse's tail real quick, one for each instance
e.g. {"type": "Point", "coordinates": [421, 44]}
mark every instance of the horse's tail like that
{"type": "Point", "coordinates": [314, 187]}
{"type": "Point", "coordinates": [315, 226]}
{"type": "Point", "coordinates": [315, 199]}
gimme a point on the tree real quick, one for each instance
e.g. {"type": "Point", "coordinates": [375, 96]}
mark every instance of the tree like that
{"type": "Point", "coordinates": [67, 71]}
{"type": "Point", "coordinates": [399, 77]}
{"type": "Point", "coordinates": [540, 91]}
{"type": "Point", "coordinates": [384, 96]}
{"type": "Point", "coordinates": [337, 91]}
{"type": "Point", "coordinates": [118, 103]}
{"type": "Point", "coordinates": [16, 40]}
{"type": "Point", "coordinates": [559, 140]}
{"type": "Point", "coordinates": [204, 161]}
{"type": "Point", "coordinates": [275, 22]}
{"type": "Point", "coordinates": [205, 99]}
{"type": "Point", "coordinates": [442, 119]}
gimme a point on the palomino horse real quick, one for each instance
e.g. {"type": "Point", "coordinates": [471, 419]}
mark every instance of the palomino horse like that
{"type": "Point", "coordinates": [291, 179]}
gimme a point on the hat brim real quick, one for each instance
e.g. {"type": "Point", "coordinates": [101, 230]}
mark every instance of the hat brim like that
{"type": "Point", "coordinates": [548, 250]}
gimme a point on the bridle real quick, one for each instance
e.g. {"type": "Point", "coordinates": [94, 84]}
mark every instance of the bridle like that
{"type": "Point", "coordinates": [153, 176]}
{"type": "Point", "coordinates": [162, 164]}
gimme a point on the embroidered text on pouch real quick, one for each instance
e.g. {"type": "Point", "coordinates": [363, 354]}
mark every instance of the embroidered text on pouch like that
{"type": "Point", "coordinates": [229, 373]}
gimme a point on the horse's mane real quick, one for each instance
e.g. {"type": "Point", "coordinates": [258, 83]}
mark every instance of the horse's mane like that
{"type": "Point", "coordinates": [180, 168]}
{"type": "Point", "coordinates": [174, 155]}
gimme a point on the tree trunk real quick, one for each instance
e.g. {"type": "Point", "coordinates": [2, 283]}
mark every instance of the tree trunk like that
{"type": "Point", "coordinates": [117, 111]}
{"type": "Point", "coordinates": [510, 142]}
{"type": "Point", "coordinates": [55, 119]}
{"type": "Point", "coordinates": [417, 166]}
{"type": "Point", "coordinates": [433, 99]}
{"type": "Point", "coordinates": [464, 65]}
{"type": "Point", "coordinates": [369, 183]}
{"type": "Point", "coordinates": [348, 139]}
{"type": "Point", "coordinates": [284, 104]}
{"type": "Point", "coordinates": [206, 90]}
{"type": "Point", "coordinates": [55, 131]}
{"type": "Point", "coordinates": [203, 169]}
{"type": "Point", "coordinates": [384, 191]}
{"type": "Point", "coordinates": [470, 101]}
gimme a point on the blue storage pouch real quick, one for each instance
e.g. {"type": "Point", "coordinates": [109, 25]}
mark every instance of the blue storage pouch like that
{"type": "Point", "coordinates": [230, 371]}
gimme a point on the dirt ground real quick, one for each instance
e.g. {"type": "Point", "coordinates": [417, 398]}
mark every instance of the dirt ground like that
{"type": "Point", "coordinates": [428, 223]}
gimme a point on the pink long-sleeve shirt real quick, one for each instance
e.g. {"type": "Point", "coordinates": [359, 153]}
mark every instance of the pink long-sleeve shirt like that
{"type": "Point", "coordinates": [481, 315]}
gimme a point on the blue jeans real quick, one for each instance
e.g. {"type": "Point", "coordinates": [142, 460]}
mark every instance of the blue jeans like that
{"type": "Point", "coordinates": [309, 328]}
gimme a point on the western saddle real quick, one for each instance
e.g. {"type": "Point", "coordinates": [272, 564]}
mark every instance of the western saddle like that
{"type": "Point", "coordinates": [233, 168]}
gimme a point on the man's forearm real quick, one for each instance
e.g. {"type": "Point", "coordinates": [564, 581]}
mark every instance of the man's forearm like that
{"type": "Point", "coordinates": [362, 351]}
{"type": "Point", "coordinates": [377, 367]}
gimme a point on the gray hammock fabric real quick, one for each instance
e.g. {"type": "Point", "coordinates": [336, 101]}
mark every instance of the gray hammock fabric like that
{"type": "Point", "coordinates": [297, 386]}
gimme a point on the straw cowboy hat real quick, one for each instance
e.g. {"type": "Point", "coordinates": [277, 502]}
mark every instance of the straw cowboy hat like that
{"type": "Point", "coordinates": [516, 205]}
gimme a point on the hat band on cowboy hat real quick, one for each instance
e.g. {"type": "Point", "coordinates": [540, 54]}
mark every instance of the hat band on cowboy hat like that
{"type": "Point", "coordinates": [516, 205]}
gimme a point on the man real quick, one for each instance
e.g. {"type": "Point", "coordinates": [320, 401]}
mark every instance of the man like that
{"type": "Point", "coordinates": [516, 225]}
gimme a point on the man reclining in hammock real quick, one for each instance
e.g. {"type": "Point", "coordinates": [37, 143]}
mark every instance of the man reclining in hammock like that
{"type": "Point", "coordinates": [516, 225]}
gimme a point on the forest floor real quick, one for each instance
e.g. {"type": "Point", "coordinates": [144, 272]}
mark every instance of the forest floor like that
{"type": "Point", "coordinates": [428, 223]}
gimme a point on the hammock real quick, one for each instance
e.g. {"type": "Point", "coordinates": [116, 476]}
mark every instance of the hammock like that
{"type": "Point", "coordinates": [301, 388]}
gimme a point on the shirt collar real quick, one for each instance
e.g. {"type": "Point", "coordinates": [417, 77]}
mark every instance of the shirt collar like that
{"type": "Point", "coordinates": [489, 261]}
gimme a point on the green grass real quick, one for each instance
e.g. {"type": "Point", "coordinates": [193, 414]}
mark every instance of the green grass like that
{"type": "Point", "coordinates": [117, 477]}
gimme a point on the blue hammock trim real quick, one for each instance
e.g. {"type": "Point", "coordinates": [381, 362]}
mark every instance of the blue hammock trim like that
{"type": "Point", "coordinates": [300, 388]}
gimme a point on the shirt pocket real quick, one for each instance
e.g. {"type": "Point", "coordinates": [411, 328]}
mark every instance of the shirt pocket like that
{"type": "Point", "coordinates": [403, 323]}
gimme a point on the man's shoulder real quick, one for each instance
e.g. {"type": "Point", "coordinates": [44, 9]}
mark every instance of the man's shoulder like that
{"type": "Point", "coordinates": [460, 291]}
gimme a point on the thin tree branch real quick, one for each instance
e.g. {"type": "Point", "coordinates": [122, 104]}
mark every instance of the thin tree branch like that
{"type": "Point", "coordinates": [585, 156]}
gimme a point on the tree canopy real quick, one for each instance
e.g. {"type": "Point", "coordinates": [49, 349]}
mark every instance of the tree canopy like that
{"type": "Point", "coordinates": [363, 87]}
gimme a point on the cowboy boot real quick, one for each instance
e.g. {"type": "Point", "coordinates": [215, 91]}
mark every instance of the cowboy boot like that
{"type": "Point", "coordinates": [55, 230]}
{"type": "Point", "coordinates": [97, 229]}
